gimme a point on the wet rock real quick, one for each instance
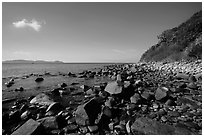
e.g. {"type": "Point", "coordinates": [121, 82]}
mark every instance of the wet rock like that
{"type": "Point", "coordinates": [19, 89]}
{"type": "Point", "coordinates": [39, 79]}
{"type": "Point", "coordinates": [63, 85]}
{"type": "Point", "coordinates": [55, 106]}
{"type": "Point", "coordinates": [49, 122]}
{"type": "Point", "coordinates": [31, 127]}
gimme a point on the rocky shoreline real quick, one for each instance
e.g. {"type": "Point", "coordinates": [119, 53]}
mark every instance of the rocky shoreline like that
{"type": "Point", "coordinates": [136, 99]}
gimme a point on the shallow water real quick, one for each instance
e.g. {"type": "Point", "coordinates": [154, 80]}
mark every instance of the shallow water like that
{"type": "Point", "coordinates": [20, 69]}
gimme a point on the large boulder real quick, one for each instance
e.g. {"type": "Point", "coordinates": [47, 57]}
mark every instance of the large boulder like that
{"type": "Point", "coordinates": [31, 127]}
{"type": "Point", "coordinates": [49, 122]}
{"type": "Point", "coordinates": [42, 99]}
{"type": "Point", "coordinates": [87, 114]}
{"type": "Point", "coordinates": [39, 79]}
{"type": "Point", "coordinates": [148, 126]}
{"type": "Point", "coordinates": [113, 88]}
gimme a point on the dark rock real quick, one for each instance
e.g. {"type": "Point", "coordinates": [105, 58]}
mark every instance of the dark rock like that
{"type": "Point", "coordinates": [19, 89]}
{"type": "Point", "coordinates": [31, 127]}
{"type": "Point", "coordinates": [93, 108]}
{"type": "Point", "coordinates": [39, 79]}
{"type": "Point", "coordinates": [170, 102]}
{"type": "Point", "coordinates": [63, 85]}
{"type": "Point", "coordinates": [15, 115]}
{"type": "Point", "coordinates": [56, 91]}
{"type": "Point", "coordinates": [23, 107]}
{"type": "Point", "coordinates": [192, 78]}
{"type": "Point", "coordinates": [49, 122]}
{"type": "Point", "coordinates": [107, 111]}
{"type": "Point", "coordinates": [55, 106]}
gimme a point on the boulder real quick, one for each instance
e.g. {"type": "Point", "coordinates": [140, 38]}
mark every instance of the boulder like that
{"type": "Point", "coordinates": [146, 126]}
{"type": "Point", "coordinates": [161, 93]}
{"type": "Point", "coordinates": [113, 88]}
{"type": "Point", "coordinates": [63, 85]}
{"type": "Point", "coordinates": [87, 114]}
{"type": "Point", "coordinates": [70, 128]}
{"type": "Point", "coordinates": [55, 106]}
{"type": "Point", "coordinates": [182, 76]}
{"type": "Point", "coordinates": [81, 116]}
{"type": "Point", "coordinates": [42, 99]}
{"type": "Point", "coordinates": [49, 122]}
{"type": "Point", "coordinates": [135, 98]}
{"type": "Point", "coordinates": [31, 127]}
{"type": "Point", "coordinates": [39, 79]}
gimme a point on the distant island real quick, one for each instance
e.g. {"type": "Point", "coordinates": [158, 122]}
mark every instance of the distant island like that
{"type": "Point", "coordinates": [32, 61]}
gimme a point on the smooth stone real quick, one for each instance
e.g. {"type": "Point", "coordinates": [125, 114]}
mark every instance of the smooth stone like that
{"type": "Point", "coordinates": [30, 127]}
{"type": "Point", "coordinates": [39, 79]}
{"type": "Point", "coordinates": [160, 94]}
{"type": "Point", "coordinates": [146, 126]}
{"type": "Point", "coordinates": [42, 99]}
{"type": "Point", "coordinates": [49, 122]}
{"type": "Point", "coordinates": [135, 98]}
{"type": "Point", "coordinates": [25, 115]}
{"type": "Point", "coordinates": [93, 128]}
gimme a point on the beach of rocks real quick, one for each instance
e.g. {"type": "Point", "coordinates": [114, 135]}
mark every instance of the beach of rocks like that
{"type": "Point", "coordinates": [154, 98]}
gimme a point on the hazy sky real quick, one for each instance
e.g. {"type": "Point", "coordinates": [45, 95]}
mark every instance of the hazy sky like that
{"type": "Point", "coordinates": [87, 32]}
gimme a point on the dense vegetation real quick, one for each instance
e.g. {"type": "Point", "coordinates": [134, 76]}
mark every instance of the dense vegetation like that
{"type": "Point", "coordinates": [180, 43]}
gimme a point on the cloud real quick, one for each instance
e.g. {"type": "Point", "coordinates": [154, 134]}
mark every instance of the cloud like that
{"type": "Point", "coordinates": [24, 23]}
{"type": "Point", "coordinates": [118, 51]}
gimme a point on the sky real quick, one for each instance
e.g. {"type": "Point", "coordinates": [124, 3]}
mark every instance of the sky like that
{"type": "Point", "coordinates": [87, 32]}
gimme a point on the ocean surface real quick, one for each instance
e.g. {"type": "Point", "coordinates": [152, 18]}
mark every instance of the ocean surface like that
{"type": "Point", "coordinates": [20, 69]}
